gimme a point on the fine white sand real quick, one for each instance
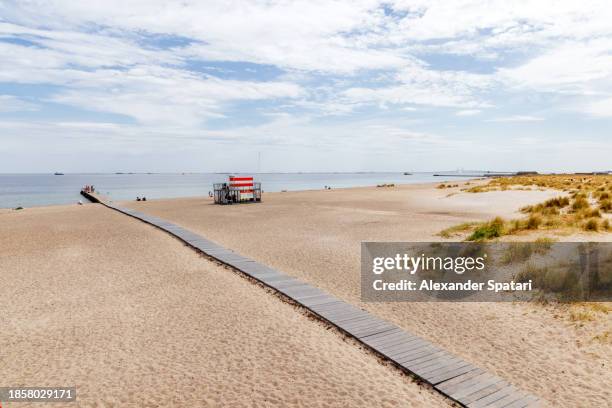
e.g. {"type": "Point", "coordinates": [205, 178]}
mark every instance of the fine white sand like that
{"type": "Point", "coordinates": [131, 317]}
{"type": "Point", "coordinates": [316, 236]}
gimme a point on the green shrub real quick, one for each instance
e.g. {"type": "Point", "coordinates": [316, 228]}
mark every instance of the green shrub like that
{"type": "Point", "coordinates": [491, 229]}
{"type": "Point", "coordinates": [457, 229]}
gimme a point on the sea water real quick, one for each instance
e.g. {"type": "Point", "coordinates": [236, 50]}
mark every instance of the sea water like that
{"type": "Point", "coordinates": [29, 190]}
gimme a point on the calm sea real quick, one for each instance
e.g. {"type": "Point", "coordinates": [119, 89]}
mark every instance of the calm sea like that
{"type": "Point", "coordinates": [29, 190]}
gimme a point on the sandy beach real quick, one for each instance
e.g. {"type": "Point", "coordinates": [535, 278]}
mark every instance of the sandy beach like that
{"type": "Point", "coordinates": [131, 317]}
{"type": "Point", "coordinates": [316, 237]}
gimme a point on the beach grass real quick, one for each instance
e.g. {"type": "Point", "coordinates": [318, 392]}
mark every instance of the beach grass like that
{"type": "Point", "coordinates": [457, 229]}
{"type": "Point", "coordinates": [583, 206]}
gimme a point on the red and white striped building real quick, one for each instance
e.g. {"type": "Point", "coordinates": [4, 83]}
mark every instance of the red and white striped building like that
{"type": "Point", "coordinates": [244, 185]}
{"type": "Point", "coordinates": [239, 189]}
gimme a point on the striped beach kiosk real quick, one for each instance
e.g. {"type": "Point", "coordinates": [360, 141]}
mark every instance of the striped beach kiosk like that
{"type": "Point", "coordinates": [238, 189]}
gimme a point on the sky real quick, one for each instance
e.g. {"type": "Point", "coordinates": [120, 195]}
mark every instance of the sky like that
{"type": "Point", "coordinates": [243, 86]}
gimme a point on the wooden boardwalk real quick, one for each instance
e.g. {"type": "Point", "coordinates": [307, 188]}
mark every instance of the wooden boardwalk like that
{"type": "Point", "coordinates": [455, 378]}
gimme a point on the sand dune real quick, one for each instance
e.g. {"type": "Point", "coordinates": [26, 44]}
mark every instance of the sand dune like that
{"type": "Point", "coordinates": [316, 235]}
{"type": "Point", "coordinates": [92, 298]}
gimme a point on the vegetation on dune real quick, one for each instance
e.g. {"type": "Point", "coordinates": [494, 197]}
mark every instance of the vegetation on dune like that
{"type": "Point", "coordinates": [563, 182]}
{"type": "Point", "coordinates": [585, 206]}
{"type": "Point", "coordinates": [458, 229]}
{"type": "Point", "coordinates": [566, 280]}
{"type": "Point", "coordinates": [492, 229]}
{"type": "Point", "coordinates": [442, 186]}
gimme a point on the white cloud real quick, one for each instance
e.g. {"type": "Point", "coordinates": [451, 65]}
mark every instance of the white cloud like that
{"type": "Point", "coordinates": [116, 75]}
{"type": "Point", "coordinates": [601, 108]}
{"type": "Point", "coordinates": [517, 118]}
{"type": "Point", "coordinates": [421, 86]}
{"type": "Point", "coordinates": [468, 112]}
{"type": "Point", "coordinates": [298, 35]}
{"type": "Point", "coordinates": [582, 68]}
{"type": "Point", "coordinates": [10, 103]}
{"type": "Point", "coordinates": [155, 94]}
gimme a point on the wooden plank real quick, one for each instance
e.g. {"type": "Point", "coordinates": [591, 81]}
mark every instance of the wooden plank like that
{"type": "Point", "coordinates": [398, 351]}
{"type": "Point", "coordinates": [470, 382]}
{"type": "Point", "coordinates": [403, 350]}
{"type": "Point", "coordinates": [355, 323]}
{"type": "Point", "coordinates": [448, 363]}
{"type": "Point", "coordinates": [489, 399]}
{"type": "Point", "coordinates": [257, 268]}
{"type": "Point", "coordinates": [391, 338]}
{"type": "Point", "coordinates": [339, 312]}
{"type": "Point", "coordinates": [366, 332]}
{"type": "Point", "coordinates": [446, 375]}
{"type": "Point", "coordinates": [307, 293]}
{"type": "Point", "coordinates": [290, 283]}
{"type": "Point", "coordinates": [419, 354]}
{"type": "Point", "coordinates": [469, 399]}
{"type": "Point", "coordinates": [416, 354]}
{"type": "Point", "coordinates": [258, 275]}
{"type": "Point", "coordinates": [367, 321]}
{"type": "Point", "coordinates": [453, 384]}
{"type": "Point", "coordinates": [421, 367]}
{"type": "Point", "coordinates": [508, 399]}
{"type": "Point", "coordinates": [321, 300]}
{"type": "Point", "coordinates": [405, 346]}
{"type": "Point", "coordinates": [277, 278]}
{"type": "Point", "coordinates": [231, 257]}
{"type": "Point", "coordinates": [263, 277]}
{"type": "Point", "coordinates": [204, 244]}
{"type": "Point", "coordinates": [333, 308]}
{"type": "Point", "coordinates": [323, 308]}
{"type": "Point", "coordinates": [323, 303]}
{"type": "Point", "coordinates": [329, 310]}
{"type": "Point", "coordinates": [528, 401]}
{"type": "Point", "coordinates": [216, 252]}
{"type": "Point", "coordinates": [287, 283]}
{"type": "Point", "coordinates": [445, 363]}
{"type": "Point", "coordinates": [381, 336]}
{"type": "Point", "coordinates": [303, 293]}
{"type": "Point", "coordinates": [353, 318]}
{"type": "Point", "coordinates": [391, 343]}
{"type": "Point", "coordinates": [479, 383]}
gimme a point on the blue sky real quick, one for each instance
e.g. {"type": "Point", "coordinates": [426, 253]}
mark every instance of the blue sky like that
{"type": "Point", "coordinates": [313, 86]}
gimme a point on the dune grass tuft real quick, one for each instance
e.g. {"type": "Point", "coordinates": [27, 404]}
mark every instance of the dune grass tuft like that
{"type": "Point", "coordinates": [591, 225]}
{"type": "Point", "coordinates": [488, 230]}
{"type": "Point", "coordinates": [458, 229]}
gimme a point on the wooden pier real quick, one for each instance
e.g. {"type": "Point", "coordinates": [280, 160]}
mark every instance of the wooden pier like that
{"type": "Point", "coordinates": [448, 374]}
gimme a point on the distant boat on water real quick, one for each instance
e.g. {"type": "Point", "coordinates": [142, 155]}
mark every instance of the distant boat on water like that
{"type": "Point", "coordinates": [58, 174]}
{"type": "Point", "coordinates": [407, 174]}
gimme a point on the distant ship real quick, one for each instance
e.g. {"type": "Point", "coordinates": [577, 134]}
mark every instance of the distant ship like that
{"type": "Point", "coordinates": [407, 174]}
{"type": "Point", "coordinates": [58, 174]}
